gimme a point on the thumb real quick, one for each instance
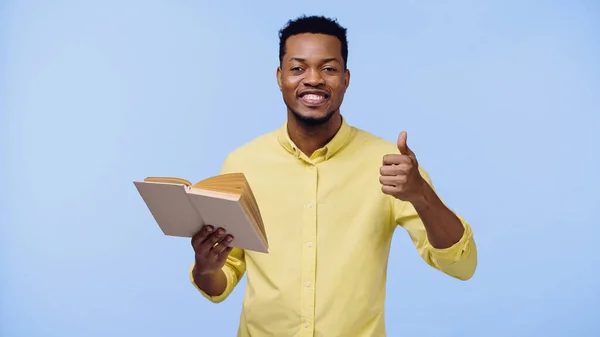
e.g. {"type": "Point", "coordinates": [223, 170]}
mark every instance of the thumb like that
{"type": "Point", "coordinates": [402, 146]}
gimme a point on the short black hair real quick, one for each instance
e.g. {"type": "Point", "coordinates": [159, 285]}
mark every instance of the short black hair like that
{"type": "Point", "coordinates": [315, 24]}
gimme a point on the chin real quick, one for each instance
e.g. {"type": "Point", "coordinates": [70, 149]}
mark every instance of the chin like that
{"type": "Point", "coordinates": [312, 117]}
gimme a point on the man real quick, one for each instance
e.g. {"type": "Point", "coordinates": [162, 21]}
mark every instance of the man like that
{"type": "Point", "coordinates": [331, 196]}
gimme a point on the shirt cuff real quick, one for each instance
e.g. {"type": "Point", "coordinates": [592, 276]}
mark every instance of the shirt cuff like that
{"type": "Point", "coordinates": [455, 253]}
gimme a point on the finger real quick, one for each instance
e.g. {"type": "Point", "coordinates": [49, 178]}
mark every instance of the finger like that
{"type": "Point", "coordinates": [402, 146]}
{"type": "Point", "coordinates": [201, 236]}
{"type": "Point", "coordinates": [222, 257]}
{"type": "Point", "coordinates": [214, 238]}
{"type": "Point", "coordinates": [393, 181]}
{"type": "Point", "coordinates": [395, 159]}
{"type": "Point", "coordinates": [391, 190]}
{"type": "Point", "coordinates": [222, 245]}
{"type": "Point", "coordinates": [394, 170]}
{"type": "Point", "coordinates": [204, 247]}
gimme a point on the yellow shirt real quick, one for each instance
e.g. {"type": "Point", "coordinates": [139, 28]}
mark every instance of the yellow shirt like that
{"type": "Point", "coordinates": [329, 227]}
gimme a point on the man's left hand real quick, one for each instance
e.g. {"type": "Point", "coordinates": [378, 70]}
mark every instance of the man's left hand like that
{"type": "Point", "coordinates": [400, 175]}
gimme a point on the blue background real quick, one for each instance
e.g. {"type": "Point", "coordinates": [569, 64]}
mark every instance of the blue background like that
{"type": "Point", "coordinates": [501, 101]}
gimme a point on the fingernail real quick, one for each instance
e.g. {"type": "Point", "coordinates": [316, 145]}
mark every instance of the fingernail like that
{"type": "Point", "coordinates": [209, 229]}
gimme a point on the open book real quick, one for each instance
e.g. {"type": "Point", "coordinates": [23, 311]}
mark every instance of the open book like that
{"type": "Point", "coordinates": [181, 208]}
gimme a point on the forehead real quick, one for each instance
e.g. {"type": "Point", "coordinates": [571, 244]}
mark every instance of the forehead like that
{"type": "Point", "coordinates": [313, 47]}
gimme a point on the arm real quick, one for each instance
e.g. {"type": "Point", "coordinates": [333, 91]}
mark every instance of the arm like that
{"type": "Point", "coordinates": [217, 286]}
{"type": "Point", "coordinates": [444, 228]}
{"type": "Point", "coordinates": [442, 238]}
{"type": "Point", "coordinates": [211, 284]}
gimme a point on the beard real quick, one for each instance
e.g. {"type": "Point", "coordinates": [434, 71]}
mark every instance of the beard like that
{"type": "Point", "coordinates": [311, 121]}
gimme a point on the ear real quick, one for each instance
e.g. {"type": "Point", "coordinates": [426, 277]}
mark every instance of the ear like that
{"type": "Point", "coordinates": [279, 79]}
{"type": "Point", "coordinates": [347, 78]}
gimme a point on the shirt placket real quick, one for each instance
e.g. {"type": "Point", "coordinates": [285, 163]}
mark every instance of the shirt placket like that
{"type": "Point", "coordinates": [309, 250]}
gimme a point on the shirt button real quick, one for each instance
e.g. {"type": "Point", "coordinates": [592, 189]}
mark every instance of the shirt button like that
{"type": "Point", "coordinates": [309, 205]}
{"type": "Point", "coordinates": [306, 325]}
{"type": "Point", "coordinates": [312, 166]}
{"type": "Point", "coordinates": [308, 284]}
{"type": "Point", "coordinates": [309, 244]}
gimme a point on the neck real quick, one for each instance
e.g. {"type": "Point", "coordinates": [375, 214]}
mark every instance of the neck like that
{"type": "Point", "coordinates": [309, 138]}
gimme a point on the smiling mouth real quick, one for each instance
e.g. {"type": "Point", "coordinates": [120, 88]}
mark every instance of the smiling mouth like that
{"type": "Point", "coordinates": [313, 99]}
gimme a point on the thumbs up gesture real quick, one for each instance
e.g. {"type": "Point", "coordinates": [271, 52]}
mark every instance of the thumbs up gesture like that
{"type": "Point", "coordinates": [400, 175]}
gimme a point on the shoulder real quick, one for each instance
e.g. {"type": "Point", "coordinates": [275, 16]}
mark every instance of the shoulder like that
{"type": "Point", "coordinates": [374, 147]}
{"type": "Point", "coordinates": [367, 142]}
{"type": "Point", "coordinates": [250, 150]}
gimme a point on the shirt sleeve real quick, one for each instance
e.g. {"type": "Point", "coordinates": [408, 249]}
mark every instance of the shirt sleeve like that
{"type": "Point", "coordinates": [234, 269]}
{"type": "Point", "coordinates": [235, 265]}
{"type": "Point", "coordinates": [458, 260]}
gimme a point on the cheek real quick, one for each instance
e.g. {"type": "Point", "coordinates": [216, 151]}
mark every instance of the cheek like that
{"type": "Point", "coordinates": [289, 87]}
{"type": "Point", "coordinates": [339, 93]}
{"type": "Point", "coordinates": [337, 86]}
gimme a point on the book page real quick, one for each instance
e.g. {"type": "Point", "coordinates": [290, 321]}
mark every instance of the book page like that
{"type": "Point", "coordinates": [228, 214]}
{"type": "Point", "coordinates": [171, 208]}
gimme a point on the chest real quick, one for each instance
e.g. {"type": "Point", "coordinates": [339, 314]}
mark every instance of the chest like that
{"type": "Point", "coordinates": [335, 204]}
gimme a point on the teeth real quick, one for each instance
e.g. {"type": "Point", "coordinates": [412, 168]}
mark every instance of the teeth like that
{"type": "Point", "coordinates": [314, 97]}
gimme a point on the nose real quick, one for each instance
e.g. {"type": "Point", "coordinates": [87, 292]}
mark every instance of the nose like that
{"type": "Point", "coordinates": [313, 78]}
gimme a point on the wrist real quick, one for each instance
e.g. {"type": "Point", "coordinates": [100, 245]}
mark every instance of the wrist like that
{"type": "Point", "coordinates": [201, 274]}
{"type": "Point", "coordinates": [213, 283]}
{"type": "Point", "coordinates": [424, 197]}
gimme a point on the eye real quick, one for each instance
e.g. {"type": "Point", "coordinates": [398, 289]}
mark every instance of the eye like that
{"type": "Point", "coordinates": [329, 69]}
{"type": "Point", "coordinates": [295, 69]}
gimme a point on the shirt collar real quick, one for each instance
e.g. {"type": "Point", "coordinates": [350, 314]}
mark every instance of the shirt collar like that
{"type": "Point", "coordinates": [335, 144]}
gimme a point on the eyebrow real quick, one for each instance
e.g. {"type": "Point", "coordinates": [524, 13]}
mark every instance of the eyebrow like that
{"type": "Point", "coordinates": [331, 59]}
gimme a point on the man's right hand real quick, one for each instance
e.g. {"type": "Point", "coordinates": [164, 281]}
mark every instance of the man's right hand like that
{"type": "Point", "coordinates": [211, 248]}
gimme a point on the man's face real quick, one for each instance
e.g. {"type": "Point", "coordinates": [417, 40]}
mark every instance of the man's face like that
{"type": "Point", "coordinates": [312, 78]}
